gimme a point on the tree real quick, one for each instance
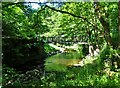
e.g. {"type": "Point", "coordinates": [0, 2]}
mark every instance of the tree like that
{"type": "Point", "coordinates": [106, 15]}
{"type": "Point", "coordinates": [73, 20]}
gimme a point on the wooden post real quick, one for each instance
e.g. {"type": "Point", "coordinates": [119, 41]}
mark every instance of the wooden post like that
{"type": "Point", "coordinates": [91, 50]}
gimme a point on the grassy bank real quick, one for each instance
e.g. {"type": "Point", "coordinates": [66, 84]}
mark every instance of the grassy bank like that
{"type": "Point", "coordinates": [91, 74]}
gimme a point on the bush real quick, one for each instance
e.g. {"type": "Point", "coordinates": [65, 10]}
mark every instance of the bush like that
{"type": "Point", "coordinates": [48, 48]}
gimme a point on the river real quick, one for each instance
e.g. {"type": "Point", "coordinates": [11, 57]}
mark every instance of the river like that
{"type": "Point", "coordinates": [60, 62]}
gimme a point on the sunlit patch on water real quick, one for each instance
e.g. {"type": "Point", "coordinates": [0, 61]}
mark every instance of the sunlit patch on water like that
{"type": "Point", "coordinates": [60, 62]}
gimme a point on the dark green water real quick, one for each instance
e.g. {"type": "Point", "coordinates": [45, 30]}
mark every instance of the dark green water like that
{"type": "Point", "coordinates": [60, 62]}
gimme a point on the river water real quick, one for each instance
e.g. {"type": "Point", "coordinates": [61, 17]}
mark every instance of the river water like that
{"type": "Point", "coordinates": [60, 62]}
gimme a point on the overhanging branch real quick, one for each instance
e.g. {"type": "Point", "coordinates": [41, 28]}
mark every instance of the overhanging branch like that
{"type": "Point", "coordinates": [65, 12]}
{"type": "Point", "coordinates": [85, 19]}
{"type": "Point", "coordinates": [10, 4]}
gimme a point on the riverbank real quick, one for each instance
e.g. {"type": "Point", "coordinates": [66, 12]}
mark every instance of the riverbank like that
{"type": "Point", "coordinates": [91, 74]}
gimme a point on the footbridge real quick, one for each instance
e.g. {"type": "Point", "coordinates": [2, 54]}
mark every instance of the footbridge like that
{"type": "Point", "coordinates": [70, 43]}
{"type": "Point", "coordinates": [65, 40]}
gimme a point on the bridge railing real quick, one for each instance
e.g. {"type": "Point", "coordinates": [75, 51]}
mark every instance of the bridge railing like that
{"type": "Point", "coordinates": [64, 39]}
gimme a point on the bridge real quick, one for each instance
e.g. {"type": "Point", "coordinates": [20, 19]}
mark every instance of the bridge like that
{"type": "Point", "coordinates": [69, 43]}
{"type": "Point", "coordinates": [65, 40]}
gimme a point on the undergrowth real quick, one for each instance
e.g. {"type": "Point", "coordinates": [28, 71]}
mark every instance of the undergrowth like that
{"type": "Point", "coordinates": [89, 75]}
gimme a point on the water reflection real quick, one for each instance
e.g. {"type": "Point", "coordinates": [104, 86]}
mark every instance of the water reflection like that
{"type": "Point", "coordinates": [60, 62]}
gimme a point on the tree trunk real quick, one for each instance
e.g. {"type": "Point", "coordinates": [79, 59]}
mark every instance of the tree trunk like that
{"type": "Point", "coordinates": [111, 42]}
{"type": "Point", "coordinates": [105, 24]}
{"type": "Point", "coordinates": [106, 30]}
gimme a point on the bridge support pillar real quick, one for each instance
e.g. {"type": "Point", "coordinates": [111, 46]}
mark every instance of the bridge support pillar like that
{"type": "Point", "coordinates": [91, 50]}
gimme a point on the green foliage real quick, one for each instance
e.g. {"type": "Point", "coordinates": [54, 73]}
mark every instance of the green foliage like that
{"type": "Point", "coordinates": [109, 57]}
{"type": "Point", "coordinates": [108, 52]}
{"type": "Point", "coordinates": [88, 75]}
{"type": "Point", "coordinates": [81, 51]}
{"type": "Point", "coordinates": [9, 75]}
{"type": "Point", "coordinates": [17, 24]}
{"type": "Point", "coordinates": [105, 52]}
{"type": "Point", "coordinates": [48, 49]}
{"type": "Point", "coordinates": [20, 21]}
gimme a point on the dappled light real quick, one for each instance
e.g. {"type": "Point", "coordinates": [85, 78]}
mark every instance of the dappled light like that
{"type": "Point", "coordinates": [58, 44]}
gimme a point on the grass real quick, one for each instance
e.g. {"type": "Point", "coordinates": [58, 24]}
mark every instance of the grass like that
{"type": "Point", "coordinates": [91, 74]}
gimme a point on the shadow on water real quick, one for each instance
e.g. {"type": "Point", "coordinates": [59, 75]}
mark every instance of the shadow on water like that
{"type": "Point", "coordinates": [60, 62]}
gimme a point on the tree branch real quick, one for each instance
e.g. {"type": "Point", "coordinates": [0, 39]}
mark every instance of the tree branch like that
{"type": "Point", "coordinates": [71, 15]}
{"type": "Point", "coordinates": [52, 9]}
{"type": "Point", "coordinates": [65, 12]}
{"type": "Point", "coordinates": [85, 19]}
{"type": "Point", "coordinates": [12, 4]}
